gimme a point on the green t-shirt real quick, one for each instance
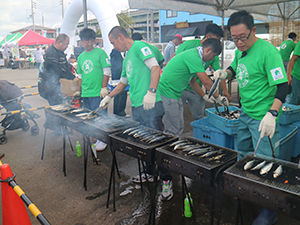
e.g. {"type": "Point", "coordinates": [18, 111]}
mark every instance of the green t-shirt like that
{"type": "Point", "coordinates": [159, 57]}
{"type": "Point", "coordinates": [215, 63]}
{"type": "Point", "coordinates": [286, 49]}
{"type": "Point", "coordinates": [178, 73]}
{"type": "Point", "coordinates": [296, 69]}
{"type": "Point", "coordinates": [258, 74]}
{"type": "Point", "coordinates": [137, 73]}
{"type": "Point", "coordinates": [90, 66]}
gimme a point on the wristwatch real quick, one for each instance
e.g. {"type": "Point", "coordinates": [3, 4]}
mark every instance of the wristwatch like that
{"type": "Point", "coordinates": [273, 112]}
{"type": "Point", "coordinates": [153, 90]}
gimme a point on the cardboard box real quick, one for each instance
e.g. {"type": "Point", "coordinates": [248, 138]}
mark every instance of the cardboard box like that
{"type": "Point", "coordinates": [68, 87]}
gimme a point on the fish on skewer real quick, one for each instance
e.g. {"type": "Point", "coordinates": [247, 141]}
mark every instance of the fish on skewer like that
{"type": "Point", "coordinates": [266, 168]}
{"type": "Point", "coordinates": [249, 164]}
{"type": "Point", "coordinates": [278, 171]}
{"type": "Point", "coordinates": [260, 165]}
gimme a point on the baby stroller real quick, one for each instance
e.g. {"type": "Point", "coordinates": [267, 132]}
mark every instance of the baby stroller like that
{"type": "Point", "coordinates": [11, 99]}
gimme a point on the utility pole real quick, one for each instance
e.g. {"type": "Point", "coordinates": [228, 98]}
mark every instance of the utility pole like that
{"type": "Point", "coordinates": [152, 27]}
{"type": "Point", "coordinates": [43, 19]}
{"type": "Point", "coordinates": [62, 8]}
{"type": "Point", "coordinates": [33, 6]}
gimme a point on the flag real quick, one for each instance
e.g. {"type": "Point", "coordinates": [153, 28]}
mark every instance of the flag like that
{"type": "Point", "coordinates": [5, 52]}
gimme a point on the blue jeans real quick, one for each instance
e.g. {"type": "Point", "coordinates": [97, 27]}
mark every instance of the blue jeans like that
{"type": "Point", "coordinates": [40, 66]}
{"type": "Point", "coordinates": [248, 136]}
{"type": "Point", "coordinates": [93, 103]}
{"type": "Point", "coordinates": [294, 96]}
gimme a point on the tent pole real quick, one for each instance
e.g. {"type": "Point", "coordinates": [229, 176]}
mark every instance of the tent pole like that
{"type": "Point", "coordinates": [85, 14]}
{"type": "Point", "coordinates": [222, 61]}
{"type": "Point", "coordinates": [283, 21]}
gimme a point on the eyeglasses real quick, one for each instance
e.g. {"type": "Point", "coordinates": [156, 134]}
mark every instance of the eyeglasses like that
{"type": "Point", "coordinates": [86, 41]}
{"type": "Point", "coordinates": [244, 38]}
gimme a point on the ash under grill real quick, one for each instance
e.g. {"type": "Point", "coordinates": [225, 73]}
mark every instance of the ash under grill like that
{"type": "Point", "coordinates": [195, 167]}
{"type": "Point", "coordinates": [280, 194]}
{"type": "Point", "coordinates": [136, 148]}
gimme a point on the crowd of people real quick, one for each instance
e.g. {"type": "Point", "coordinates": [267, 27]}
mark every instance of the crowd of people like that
{"type": "Point", "coordinates": [161, 84]}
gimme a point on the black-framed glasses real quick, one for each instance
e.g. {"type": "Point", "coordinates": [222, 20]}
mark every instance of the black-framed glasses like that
{"type": "Point", "coordinates": [244, 38]}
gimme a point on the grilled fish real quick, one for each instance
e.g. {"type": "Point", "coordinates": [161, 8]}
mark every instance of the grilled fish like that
{"type": "Point", "coordinates": [198, 150]}
{"type": "Point", "coordinates": [278, 171]}
{"type": "Point", "coordinates": [177, 142]}
{"type": "Point", "coordinates": [135, 131]}
{"type": "Point", "coordinates": [209, 154]}
{"type": "Point", "coordinates": [260, 165]}
{"type": "Point", "coordinates": [130, 129]}
{"type": "Point", "coordinates": [266, 168]}
{"type": "Point", "coordinates": [216, 157]}
{"type": "Point", "coordinates": [249, 164]}
{"type": "Point", "coordinates": [180, 145]}
{"type": "Point", "coordinates": [157, 139]}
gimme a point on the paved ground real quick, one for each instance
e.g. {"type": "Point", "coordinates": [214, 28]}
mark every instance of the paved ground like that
{"type": "Point", "coordinates": [63, 200]}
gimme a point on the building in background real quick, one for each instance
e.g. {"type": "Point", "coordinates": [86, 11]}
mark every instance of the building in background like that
{"type": "Point", "coordinates": [41, 30]}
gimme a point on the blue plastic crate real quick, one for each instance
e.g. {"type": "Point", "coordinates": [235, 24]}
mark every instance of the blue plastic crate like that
{"type": "Point", "coordinates": [204, 131]}
{"type": "Point", "coordinates": [291, 116]}
{"type": "Point", "coordinates": [287, 141]}
{"type": "Point", "coordinates": [226, 125]}
{"type": "Point", "coordinates": [296, 148]}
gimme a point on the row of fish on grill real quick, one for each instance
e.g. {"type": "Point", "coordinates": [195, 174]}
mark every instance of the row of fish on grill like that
{"type": "Point", "coordinates": [264, 167]}
{"type": "Point", "coordinates": [145, 135]}
{"type": "Point", "coordinates": [198, 149]}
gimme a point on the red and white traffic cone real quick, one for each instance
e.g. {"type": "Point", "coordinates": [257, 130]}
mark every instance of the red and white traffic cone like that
{"type": "Point", "coordinates": [13, 209]}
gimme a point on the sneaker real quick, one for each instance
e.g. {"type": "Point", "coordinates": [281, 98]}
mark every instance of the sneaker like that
{"type": "Point", "coordinates": [265, 217]}
{"type": "Point", "coordinates": [100, 146]}
{"type": "Point", "coordinates": [136, 179]}
{"type": "Point", "coordinates": [167, 190]}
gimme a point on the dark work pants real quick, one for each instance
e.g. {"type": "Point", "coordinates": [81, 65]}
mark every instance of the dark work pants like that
{"type": "Point", "coordinates": [120, 104]}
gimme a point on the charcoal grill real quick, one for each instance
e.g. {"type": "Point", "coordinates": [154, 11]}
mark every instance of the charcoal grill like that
{"type": "Point", "coordinates": [194, 167]}
{"type": "Point", "coordinates": [280, 194]}
{"type": "Point", "coordinates": [134, 147]}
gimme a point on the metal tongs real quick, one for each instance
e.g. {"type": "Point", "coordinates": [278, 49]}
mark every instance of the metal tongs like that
{"type": "Point", "coordinates": [94, 111]}
{"type": "Point", "coordinates": [273, 152]}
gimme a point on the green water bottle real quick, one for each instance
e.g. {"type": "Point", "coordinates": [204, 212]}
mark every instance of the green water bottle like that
{"type": "Point", "coordinates": [187, 208]}
{"type": "Point", "coordinates": [78, 149]}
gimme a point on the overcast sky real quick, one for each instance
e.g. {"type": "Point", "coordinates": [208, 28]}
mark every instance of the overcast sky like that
{"type": "Point", "coordinates": [15, 14]}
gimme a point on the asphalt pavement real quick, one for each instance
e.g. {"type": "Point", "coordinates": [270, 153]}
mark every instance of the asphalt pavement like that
{"type": "Point", "coordinates": [63, 200]}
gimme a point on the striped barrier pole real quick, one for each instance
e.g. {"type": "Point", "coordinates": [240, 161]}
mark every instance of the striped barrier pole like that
{"type": "Point", "coordinates": [13, 208]}
{"type": "Point", "coordinates": [24, 110]}
{"type": "Point", "coordinates": [26, 87]}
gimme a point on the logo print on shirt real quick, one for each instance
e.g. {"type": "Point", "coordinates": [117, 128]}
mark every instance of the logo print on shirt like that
{"type": "Point", "coordinates": [146, 51]}
{"type": "Point", "coordinates": [242, 75]}
{"type": "Point", "coordinates": [87, 66]}
{"type": "Point", "coordinates": [128, 68]}
{"type": "Point", "coordinates": [276, 73]}
{"type": "Point", "coordinates": [283, 46]}
{"type": "Point", "coordinates": [107, 60]}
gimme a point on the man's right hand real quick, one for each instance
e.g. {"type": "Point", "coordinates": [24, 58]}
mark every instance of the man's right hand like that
{"type": "Point", "coordinates": [221, 74]}
{"type": "Point", "coordinates": [222, 100]}
{"type": "Point", "coordinates": [104, 103]}
{"type": "Point", "coordinates": [210, 100]}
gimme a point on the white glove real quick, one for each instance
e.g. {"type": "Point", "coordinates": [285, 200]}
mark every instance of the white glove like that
{"type": "Point", "coordinates": [149, 100]}
{"type": "Point", "coordinates": [104, 103]}
{"type": "Point", "coordinates": [267, 125]}
{"type": "Point", "coordinates": [222, 100]}
{"type": "Point", "coordinates": [103, 92]}
{"type": "Point", "coordinates": [221, 74]}
{"type": "Point", "coordinates": [76, 94]}
{"type": "Point", "coordinates": [210, 100]}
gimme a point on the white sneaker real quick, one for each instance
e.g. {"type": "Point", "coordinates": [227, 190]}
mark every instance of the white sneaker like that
{"type": "Point", "coordinates": [100, 146]}
{"type": "Point", "coordinates": [136, 179]}
{"type": "Point", "coordinates": [167, 190]}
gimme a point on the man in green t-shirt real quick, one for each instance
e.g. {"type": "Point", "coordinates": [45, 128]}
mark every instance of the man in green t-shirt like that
{"type": "Point", "coordinates": [141, 71]}
{"type": "Point", "coordinates": [263, 87]}
{"type": "Point", "coordinates": [195, 101]}
{"type": "Point", "coordinates": [293, 75]}
{"type": "Point", "coordinates": [94, 69]}
{"type": "Point", "coordinates": [181, 71]}
{"type": "Point", "coordinates": [286, 49]}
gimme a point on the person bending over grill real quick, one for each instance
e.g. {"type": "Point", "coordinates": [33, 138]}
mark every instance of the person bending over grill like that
{"type": "Point", "coordinates": [197, 102]}
{"type": "Point", "coordinates": [94, 69]}
{"type": "Point", "coordinates": [142, 72]}
{"type": "Point", "coordinates": [263, 87]}
{"type": "Point", "coordinates": [181, 71]}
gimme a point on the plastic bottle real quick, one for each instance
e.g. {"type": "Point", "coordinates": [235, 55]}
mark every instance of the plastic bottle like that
{"type": "Point", "coordinates": [187, 208]}
{"type": "Point", "coordinates": [78, 149]}
{"type": "Point", "coordinates": [94, 150]}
